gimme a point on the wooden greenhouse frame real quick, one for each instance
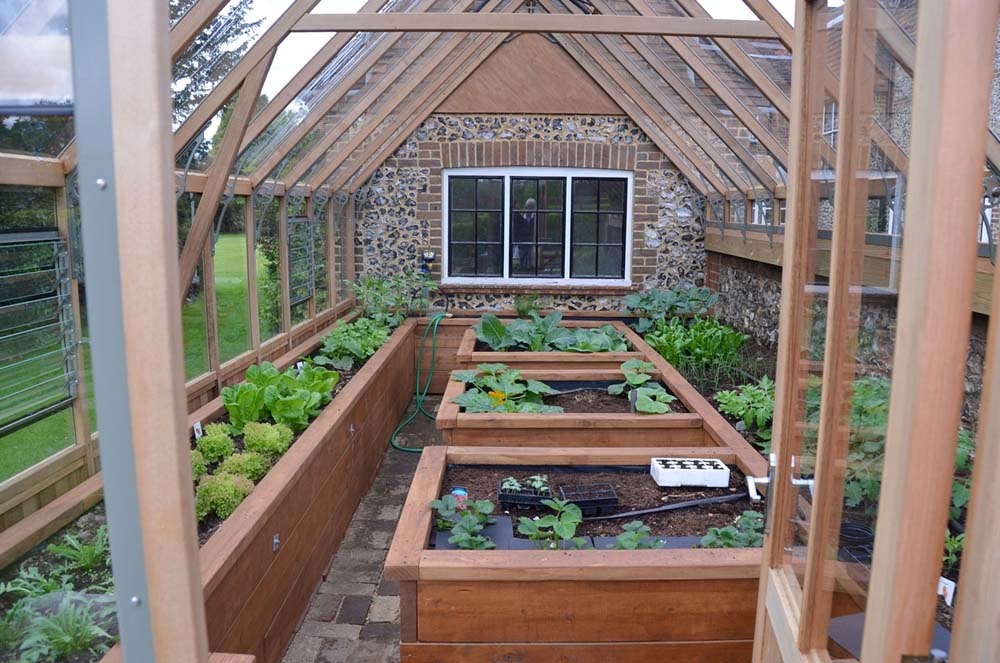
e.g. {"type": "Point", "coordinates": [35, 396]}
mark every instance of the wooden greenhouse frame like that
{"type": "Point", "coordinates": [176, 601]}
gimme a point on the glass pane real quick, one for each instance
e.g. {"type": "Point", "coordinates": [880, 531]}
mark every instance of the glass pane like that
{"type": "Point", "coordinates": [24, 447]}
{"type": "Point", "coordinates": [522, 260]}
{"type": "Point", "coordinates": [463, 193]}
{"type": "Point", "coordinates": [45, 136]}
{"type": "Point", "coordinates": [232, 298]}
{"type": "Point", "coordinates": [489, 227]}
{"type": "Point", "coordinates": [550, 260]}
{"type": "Point", "coordinates": [463, 227]}
{"type": "Point", "coordinates": [490, 259]}
{"type": "Point", "coordinates": [524, 193]}
{"type": "Point", "coordinates": [583, 261]}
{"type": "Point", "coordinates": [584, 195]}
{"type": "Point", "coordinates": [24, 208]}
{"type": "Point", "coordinates": [194, 321]}
{"type": "Point", "coordinates": [612, 229]}
{"type": "Point", "coordinates": [321, 250]}
{"type": "Point", "coordinates": [300, 312]}
{"type": "Point", "coordinates": [35, 52]}
{"type": "Point", "coordinates": [522, 225]}
{"type": "Point", "coordinates": [584, 228]}
{"type": "Point", "coordinates": [462, 259]}
{"type": "Point", "coordinates": [553, 194]}
{"type": "Point", "coordinates": [552, 227]}
{"type": "Point", "coordinates": [489, 194]}
{"type": "Point", "coordinates": [609, 262]}
{"type": "Point", "coordinates": [266, 219]}
{"type": "Point", "coordinates": [612, 195]}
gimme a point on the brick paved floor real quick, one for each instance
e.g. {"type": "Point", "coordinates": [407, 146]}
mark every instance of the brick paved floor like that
{"type": "Point", "coordinates": [354, 615]}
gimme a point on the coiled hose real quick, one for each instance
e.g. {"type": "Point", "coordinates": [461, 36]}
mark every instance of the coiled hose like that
{"type": "Point", "coordinates": [421, 392]}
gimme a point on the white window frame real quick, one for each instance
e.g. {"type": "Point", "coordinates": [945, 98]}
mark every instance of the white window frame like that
{"type": "Point", "coordinates": [569, 174]}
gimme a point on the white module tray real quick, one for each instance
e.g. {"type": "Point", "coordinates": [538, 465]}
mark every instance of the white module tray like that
{"type": "Point", "coordinates": [706, 472]}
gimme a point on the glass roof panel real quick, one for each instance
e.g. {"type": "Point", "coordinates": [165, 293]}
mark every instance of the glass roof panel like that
{"type": "Point", "coordinates": [217, 50]}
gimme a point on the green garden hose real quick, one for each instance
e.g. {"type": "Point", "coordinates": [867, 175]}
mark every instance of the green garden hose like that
{"type": "Point", "coordinates": [421, 392]}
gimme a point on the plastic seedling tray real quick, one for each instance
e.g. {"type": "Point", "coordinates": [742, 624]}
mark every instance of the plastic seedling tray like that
{"type": "Point", "coordinates": [593, 500]}
{"type": "Point", "coordinates": [525, 498]}
{"type": "Point", "coordinates": [705, 472]}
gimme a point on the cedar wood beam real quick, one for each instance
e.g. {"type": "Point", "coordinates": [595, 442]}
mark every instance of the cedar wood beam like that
{"type": "Point", "coordinates": [549, 23]}
{"type": "Point", "coordinates": [218, 173]}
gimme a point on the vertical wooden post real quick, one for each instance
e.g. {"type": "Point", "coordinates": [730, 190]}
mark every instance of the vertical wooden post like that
{"type": "Point", "coordinates": [286, 306]}
{"type": "Point", "coordinates": [121, 75]}
{"type": "Point", "coordinates": [254, 305]}
{"type": "Point", "coordinates": [951, 86]}
{"type": "Point", "coordinates": [857, 80]}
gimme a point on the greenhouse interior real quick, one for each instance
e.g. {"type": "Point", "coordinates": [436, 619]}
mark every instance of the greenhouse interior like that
{"type": "Point", "coordinates": [512, 331]}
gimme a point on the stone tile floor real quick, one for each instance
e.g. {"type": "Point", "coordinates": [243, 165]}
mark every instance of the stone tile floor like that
{"type": "Point", "coordinates": [354, 615]}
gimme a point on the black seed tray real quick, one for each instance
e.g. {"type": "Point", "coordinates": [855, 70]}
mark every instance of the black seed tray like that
{"type": "Point", "coordinates": [595, 499]}
{"type": "Point", "coordinates": [526, 498]}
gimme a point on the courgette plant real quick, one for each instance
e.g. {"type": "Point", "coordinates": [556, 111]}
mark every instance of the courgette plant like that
{"type": "Point", "coordinates": [497, 388]}
{"type": "Point", "coordinates": [650, 396]}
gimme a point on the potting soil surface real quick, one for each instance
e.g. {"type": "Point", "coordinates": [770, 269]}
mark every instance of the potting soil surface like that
{"type": "Point", "coordinates": [635, 490]}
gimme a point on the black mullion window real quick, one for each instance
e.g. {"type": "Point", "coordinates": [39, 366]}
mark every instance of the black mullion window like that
{"type": "Point", "coordinates": [475, 226]}
{"type": "Point", "coordinates": [598, 228]}
{"type": "Point", "coordinates": [537, 227]}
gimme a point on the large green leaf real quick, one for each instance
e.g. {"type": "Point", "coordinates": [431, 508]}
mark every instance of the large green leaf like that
{"type": "Point", "coordinates": [491, 331]}
{"type": "Point", "coordinates": [475, 401]}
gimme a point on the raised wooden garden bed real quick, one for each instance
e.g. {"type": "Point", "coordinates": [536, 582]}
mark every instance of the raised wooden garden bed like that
{"type": "Point", "coordinates": [572, 605]}
{"type": "Point", "coordinates": [469, 357]}
{"type": "Point", "coordinates": [700, 428]}
{"type": "Point", "coordinates": [261, 567]}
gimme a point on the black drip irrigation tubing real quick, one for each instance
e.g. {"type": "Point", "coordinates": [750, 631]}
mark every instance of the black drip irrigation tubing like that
{"type": "Point", "coordinates": [672, 507]}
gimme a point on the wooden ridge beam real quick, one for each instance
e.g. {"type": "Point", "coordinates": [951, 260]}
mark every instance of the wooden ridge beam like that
{"type": "Point", "coordinates": [547, 23]}
{"type": "Point", "coordinates": [225, 88]}
{"type": "Point", "coordinates": [217, 175]}
{"type": "Point", "coordinates": [309, 71]}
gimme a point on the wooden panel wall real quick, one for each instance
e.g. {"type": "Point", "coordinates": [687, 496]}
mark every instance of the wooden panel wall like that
{"type": "Point", "coordinates": [449, 337]}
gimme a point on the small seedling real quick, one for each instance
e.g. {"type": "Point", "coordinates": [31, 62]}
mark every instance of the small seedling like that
{"type": "Point", "coordinates": [83, 556]}
{"type": "Point", "coordinates": [511, 485]}
{"type": "Point", "coordinates": [953, 545]}
{"type": "Point", "coordinates": [636, 537]}
{"type": "Point", "coordinates": [539, 482]}
{"type": "Point", "coordinates": [748, 532]}
{"type": "Point", "coordinates": [650, 396]}
{"type": "Point", "coordinates": [550, 529]}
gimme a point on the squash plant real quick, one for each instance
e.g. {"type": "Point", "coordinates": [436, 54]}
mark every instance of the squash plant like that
{"type": "Point", "coordinates": [497, 388]}
{"type": "Point", "coordinates": [650, 397]}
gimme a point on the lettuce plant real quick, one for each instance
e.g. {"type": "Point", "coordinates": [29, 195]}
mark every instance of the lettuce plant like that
{"type": "Point", "coordinates": [271, 440]}
{"type": "Point", "coordinates": [199, 467]}
{"type": "Point", "coordinates": [249, 464]}
{"type": "Point", "coordinates": [220, 494]}
{"type": "Point", "coordinates": [497, 388]}
{"type": "Point", "coordinates": [352, 343]}
{"type": "Point", "coordinates": [216, 443]}
{"type": "Point", "coordinates": [293, 397]}
{"type": "Point", "coordinates": [700, 342]}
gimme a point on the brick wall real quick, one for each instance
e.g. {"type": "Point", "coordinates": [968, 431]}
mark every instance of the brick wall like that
{"type": "Point", "coordinates": [402, 214]}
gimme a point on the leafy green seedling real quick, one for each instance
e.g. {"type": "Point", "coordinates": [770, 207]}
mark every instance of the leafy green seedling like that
{"type": "Point", "coordinates": [748, 532]}
{"type": "Point", "coordinates": [83, 556]}
{"type": "Point", "coordinates": [539, 482]}
{"type": "Point", "coordinates": [636, 537]}
{"type": "Point", "coordinates": [550, 529]}
{"type": "Point", "coordinates": [511, 485]}
{"type": "Point", "coordinates": [650, 396]}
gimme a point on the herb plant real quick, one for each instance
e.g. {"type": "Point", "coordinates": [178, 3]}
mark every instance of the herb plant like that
{"type": "Point", "coordinates": [702, 342]}
{"type": "Point", "coordinates": [953, 545]}
{"type": "Point", "coordinates": [650, 397]}
{"type": "Point", "coordinates": [497, 388]}
{"type": "Point", "coordinates": [550, 529]}
{"type": "Point", "coordinates": [31, 583]}
{"type": "Point", "coordinates": [636, 537]}
{"type": "Point", "coordinates": [748, 532]}
{"type": "Point", "coordinates": [79, 556]}
{"type": "Point", "coordinates": [655, 304]}
{"type": "Point", "coordinates": [77, 627]}
{"type": "Point", "coordinates": [352, 343]}
{"type": "Point", "coordinates": [753, 404]}
{"type": "Point", "coordinates": [388, 300]}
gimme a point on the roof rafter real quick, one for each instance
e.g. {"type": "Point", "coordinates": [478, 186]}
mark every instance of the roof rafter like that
{"type": "Point", "coordinates": [369, 97]}
{"type": "Point", "coordinates": [232, 81]}
{"type": "Point", "coordinates": [550, 23]}
{"type": "Point", "coordinates": [695, 104]}
{"type": "Point", "coordinates": [194, 20]}
{"type": "Point", "coordinates": [302, 78]}
{"type": "Point", "coordinates": [481, 43]}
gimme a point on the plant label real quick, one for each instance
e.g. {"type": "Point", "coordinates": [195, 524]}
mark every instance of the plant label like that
{"type": "Point", "coordinates": [946, 588]}
{"type": "Point", "coordinates": [299, 366]}
{"type": "Point", "coordinates": [198, 432]}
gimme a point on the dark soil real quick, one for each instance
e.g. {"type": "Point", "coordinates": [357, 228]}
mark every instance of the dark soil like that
{"type": "Point", "coordinates": [484, 347]}
{"type": "Point", "coordinates": [590, 401]}
{"type": "Point", "coordinates": [944, 613]}
{"type": "Point", "coordinates": [636, 490]}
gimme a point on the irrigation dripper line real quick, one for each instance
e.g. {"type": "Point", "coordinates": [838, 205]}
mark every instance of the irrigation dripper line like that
{"type": "Point", "coordinates": [671, 507]}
